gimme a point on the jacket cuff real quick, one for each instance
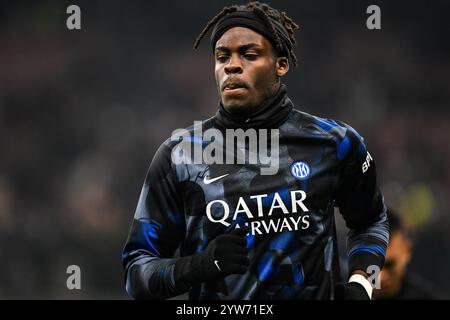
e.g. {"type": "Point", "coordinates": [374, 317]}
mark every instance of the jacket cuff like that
{"type": "Point", "coordinates": [362, 260]}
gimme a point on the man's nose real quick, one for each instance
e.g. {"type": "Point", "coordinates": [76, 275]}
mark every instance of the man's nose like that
{"type": "Point", "coordinates": [234, 66]}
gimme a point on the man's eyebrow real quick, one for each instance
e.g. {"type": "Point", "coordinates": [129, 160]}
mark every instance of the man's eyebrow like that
{"type": "Point", "coordinates": [222, 48]}
{"type": "Point", "coordinates": [249, 46]}
{"type": "Point", "coordinates": [242, 48]}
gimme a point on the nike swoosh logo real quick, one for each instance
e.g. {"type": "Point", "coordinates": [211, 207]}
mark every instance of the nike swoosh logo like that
{"type": "Point", "coordinates": [208, 181]}
{"type": "Point", "coordinates": [216, 262]}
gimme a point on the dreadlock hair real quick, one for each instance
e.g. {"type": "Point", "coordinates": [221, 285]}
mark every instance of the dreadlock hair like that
{"type": "Point", "coordinates": [265, 12]}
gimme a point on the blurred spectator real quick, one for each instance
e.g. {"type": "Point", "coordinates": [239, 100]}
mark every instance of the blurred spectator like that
{"type": "Point", "coordinates": [397, 282]}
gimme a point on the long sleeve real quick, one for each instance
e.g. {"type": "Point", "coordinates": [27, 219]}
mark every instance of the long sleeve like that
{"type": "Point", "coordinates": [156, 231]}
{"type": "Point", "coordinates": [361, 203]}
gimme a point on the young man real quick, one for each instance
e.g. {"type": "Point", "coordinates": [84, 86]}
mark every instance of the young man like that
{"type": "Point", "coordinates": [245, 233]}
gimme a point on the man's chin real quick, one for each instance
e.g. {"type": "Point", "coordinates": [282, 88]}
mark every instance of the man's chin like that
{"type": "Point", "coordinates": [238, 106]}
{"type": "Point", "coordinates": [235, 105]}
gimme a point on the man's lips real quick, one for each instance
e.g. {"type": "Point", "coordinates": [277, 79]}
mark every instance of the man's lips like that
{"type": "Point", "coordinates": [233, 89]}
{"type": "Point", "coordinates": [229, 86]}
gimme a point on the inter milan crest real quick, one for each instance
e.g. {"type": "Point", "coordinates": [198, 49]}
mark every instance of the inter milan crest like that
{"type": "Point", "coordinates": [300, 170]}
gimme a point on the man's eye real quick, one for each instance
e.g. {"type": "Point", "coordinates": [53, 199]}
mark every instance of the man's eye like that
{"type": "Point", "coordinates": [222, 58]}
{"type": "Point", "coordinates": [250, 56]}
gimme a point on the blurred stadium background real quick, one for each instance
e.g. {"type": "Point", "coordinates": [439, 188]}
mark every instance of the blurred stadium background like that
{"type": "Point", "coordinates": [82, 113]}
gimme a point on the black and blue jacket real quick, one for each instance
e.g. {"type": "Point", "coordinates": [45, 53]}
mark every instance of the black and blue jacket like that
{"type": "Point", "coordinates": [293, 252]}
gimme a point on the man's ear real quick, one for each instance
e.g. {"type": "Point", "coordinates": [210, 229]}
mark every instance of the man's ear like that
{"type": "Point", "coordinates": [282, 66]}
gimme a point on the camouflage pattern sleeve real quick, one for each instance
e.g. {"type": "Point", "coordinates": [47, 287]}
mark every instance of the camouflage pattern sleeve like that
{"type": "Point", "coordinates": [156, 232]}
{"type": "Point", "coordinates": [361, 203]}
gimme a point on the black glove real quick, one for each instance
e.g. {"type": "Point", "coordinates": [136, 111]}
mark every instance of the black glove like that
{"type": "Point", "coordinates": [225, 255]}
{"type": "Point", "coordinates": [351, 291]}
